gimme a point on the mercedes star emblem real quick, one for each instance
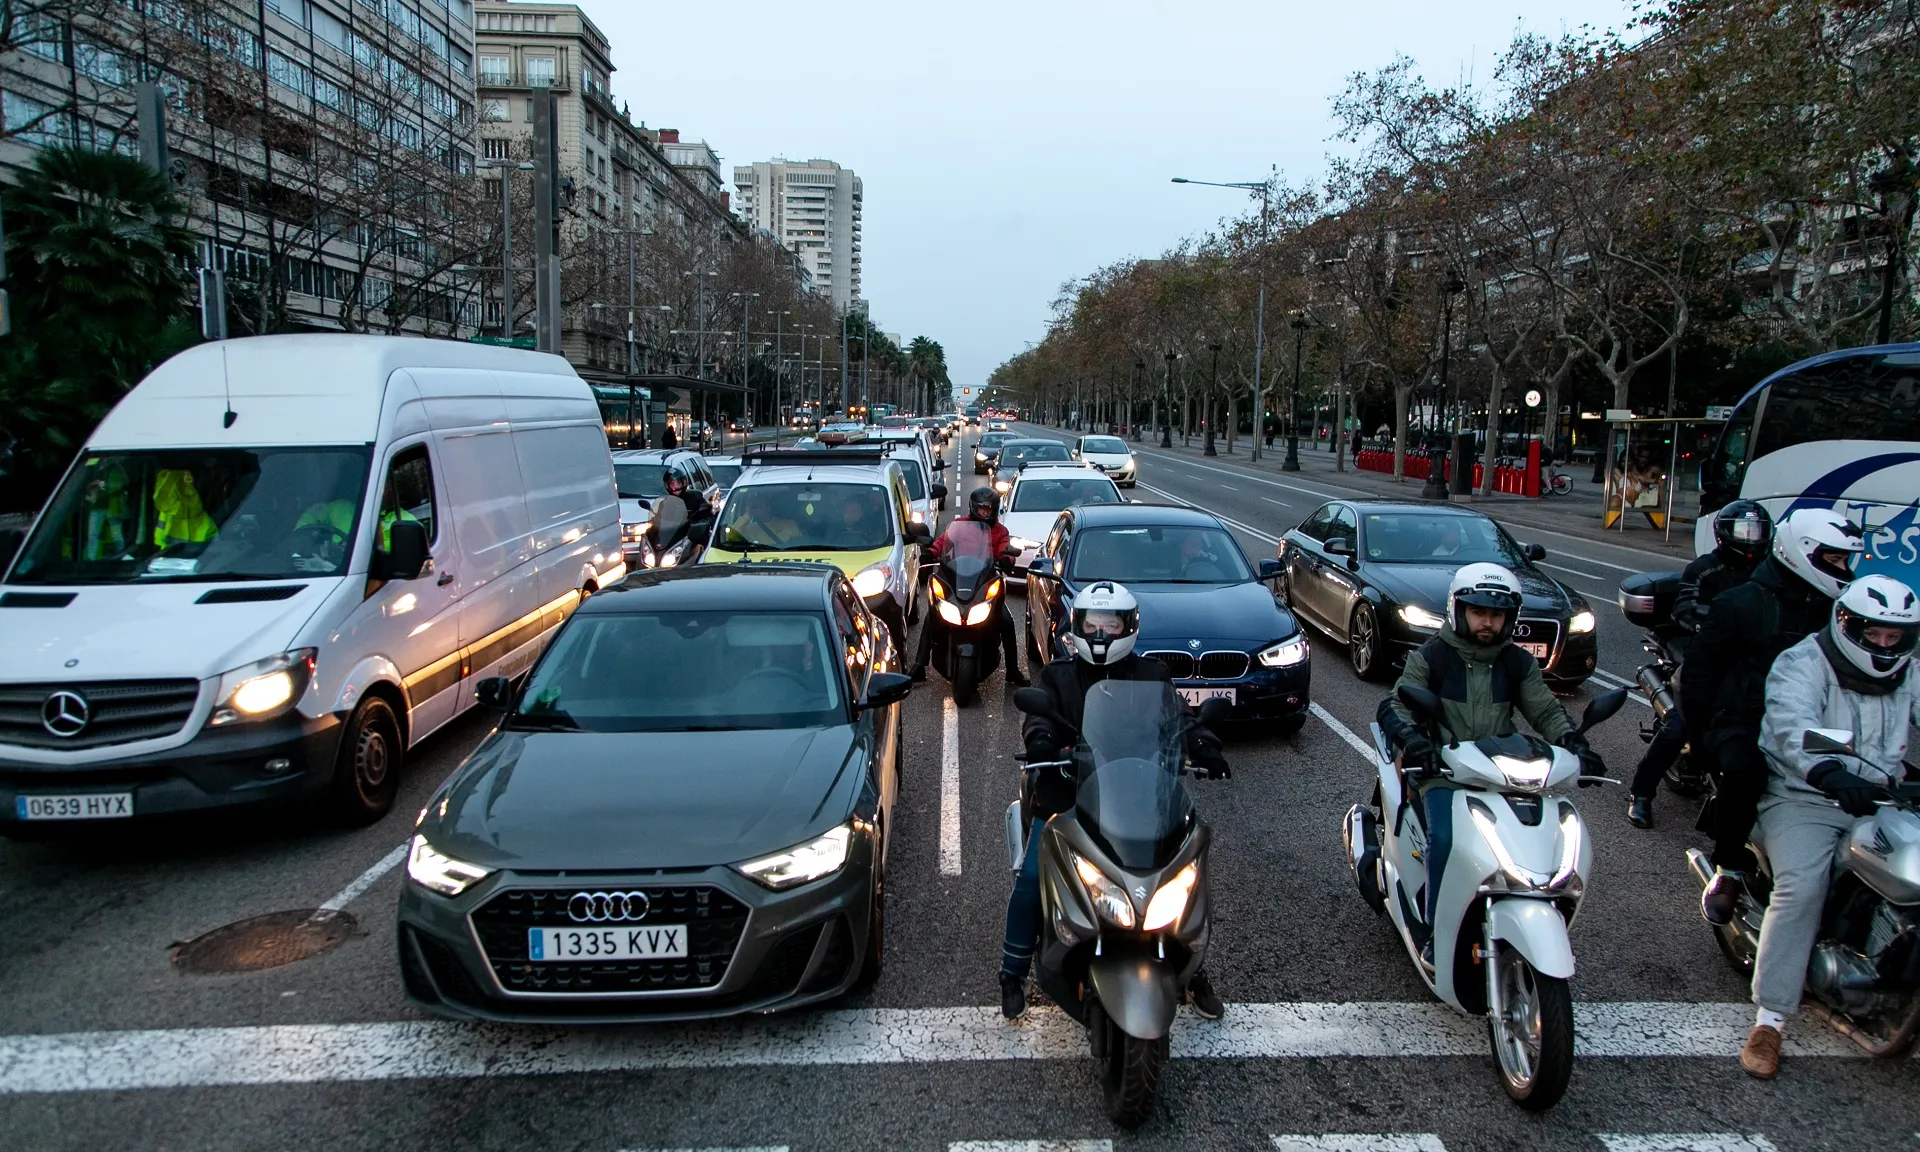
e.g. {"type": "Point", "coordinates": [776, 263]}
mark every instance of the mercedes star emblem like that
{"type": "Point", "coordinates": [607, 907]}
{"type": "Point", "coordinates": [65, 714]}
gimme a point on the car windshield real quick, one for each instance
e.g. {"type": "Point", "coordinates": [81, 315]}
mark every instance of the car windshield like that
{"type": "Point", "coordinates": [1159, 554]}
{"type": "Point", "coordinates": [1104, 445]}
{"type": "Point", "coordinates": [806, 516]}
{"type": "Point", "coordinates": [1430, 538]}
{"type": "Point", "coordinates": [683, 671]}
{"type": "Point", "coordinates": [993, 440]}
{"type": "Point", "coordinates": [1016, 453]}
{"type": "Point", "coordinates": [640, 481]}
{"type": "Point", "coordinates": [201, 514]}
{"type": "Point", "coordinates": [1041, 494]}
{"type": "Point", "coordinates": [724, 474]}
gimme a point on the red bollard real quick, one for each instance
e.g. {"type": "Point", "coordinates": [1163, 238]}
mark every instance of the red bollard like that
{"type": "Point", "coordinates": [1532, 487]}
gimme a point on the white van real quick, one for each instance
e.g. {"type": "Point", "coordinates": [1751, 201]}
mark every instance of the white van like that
{"type": "Point", "coordinates": [280, 562]}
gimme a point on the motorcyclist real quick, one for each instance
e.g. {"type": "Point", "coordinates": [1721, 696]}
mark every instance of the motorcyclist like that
{"type": "Point", "coordinates": [1480, 677]}
{"type": "Point", "coordinates": [1853, 675]}
{"type": "Point", "coordinates": [983, 506]}
{"type": "Point", "coordinates": [699, 509]}
{"type": "Point", "coordinates": [1742, 530]}
{"type": "Point", "coordinates": [1104, 622]}
{"type": "Point", "coordinates": [1747, 627]}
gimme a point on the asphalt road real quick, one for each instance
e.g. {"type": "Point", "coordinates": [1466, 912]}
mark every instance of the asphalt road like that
{"type": "Point", "coordinates": [104, 1043]}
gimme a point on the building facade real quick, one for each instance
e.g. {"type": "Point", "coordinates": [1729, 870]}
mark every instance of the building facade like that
{"type": "Point", "coordinates": [812, 209]}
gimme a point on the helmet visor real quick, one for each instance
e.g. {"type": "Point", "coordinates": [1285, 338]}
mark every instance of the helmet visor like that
{"type": "Point", "coordinates": [1745, 530]}
{"type": "Point", "coordinates": [1834, 562]}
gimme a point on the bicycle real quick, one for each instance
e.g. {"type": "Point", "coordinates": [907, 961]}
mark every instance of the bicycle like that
{"type": "Point", "coordinates": [1554, 482]}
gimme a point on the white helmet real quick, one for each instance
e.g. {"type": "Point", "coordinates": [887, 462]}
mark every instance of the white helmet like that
{"type": "Point", "coordinates": [1876, 602]}
{"type": "Point", "coordinates": [1483, 586]}
{"type": "Point", "coordinates": [1104, 622]}
{"type": "Point", "coordinates": [1813, 530]}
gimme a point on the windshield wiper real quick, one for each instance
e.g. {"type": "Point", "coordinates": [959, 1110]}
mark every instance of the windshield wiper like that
{"type": "Point", "coordinates": [698, 728]}
{"type": "Point", "coordinates": [544, 722]}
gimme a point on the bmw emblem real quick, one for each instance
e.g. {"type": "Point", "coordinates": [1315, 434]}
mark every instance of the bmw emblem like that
{"type": "Point", "coordinates": [65, 714]}
{"type": "Point", "coordinates": [1194, 644]}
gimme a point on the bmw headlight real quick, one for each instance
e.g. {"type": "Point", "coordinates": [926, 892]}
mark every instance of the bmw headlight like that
{"type": "Point", "coordinates": [1582, 622]}
{"type": "Point", "coordinates": [439, 872]}
{"type": "Point", "coordinates": [872, 581]}
{"type": "Point", "coordinates": [1421, 618]}
{"type": "Point", "coordinates": [264, 688]}
{"type": "Point", "coordinates": [1109, 899]}
{"type": "Point", "coordinates": [1002, 485]}
{"type": "Point", "coordinates": [822, 856]}
{"type": "Point", "coordinates": [1285, 654]}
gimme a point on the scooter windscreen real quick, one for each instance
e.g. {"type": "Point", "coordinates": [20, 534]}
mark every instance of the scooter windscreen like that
{"type": "Point", "coordinates": [1133, 802]}
{"type": "Point", "coordinates": [969, 556]}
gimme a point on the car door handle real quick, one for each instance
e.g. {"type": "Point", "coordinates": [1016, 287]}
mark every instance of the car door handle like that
{"type": "Point", "coordinates": [446, 578]}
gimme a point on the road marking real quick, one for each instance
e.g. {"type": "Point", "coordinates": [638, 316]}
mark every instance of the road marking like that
{"type": "Point", "coordinates": [1633, 690]}
{"type": "Point", "coordinates": [1227, 520]}
{"type": "Point", "coordinates": [1570, 571]}
{"type": "Point", "coordinates": [1345, 733]}
{"type": "Point", "coordinates": [949, 788]}
{"type": "Point", "coordinates": [433, 1049]}
{"type": "Point", "coordinates": [1031, 1146]}
{"type": "Point", "coordinates": [1229, 487]}
{"type": "Point", "coordinates": [1685, 1142]}
{"type": "Point", "coordinates": [761, 1148]}
{"type": "Point", "coordinates": [1361, 1142]}
{"type": "Point", "coordinates": [366, 879]}
{"type": "Point", "coordinates": [1243, 475]}
{"type": "Point", "coordinates": [1281, 503]}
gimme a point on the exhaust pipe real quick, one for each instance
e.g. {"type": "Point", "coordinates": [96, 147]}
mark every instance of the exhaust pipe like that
{"type": "Point", "coordinates": [1016, 838]}
{"type": "Point", "coordinates": [1700, 866]}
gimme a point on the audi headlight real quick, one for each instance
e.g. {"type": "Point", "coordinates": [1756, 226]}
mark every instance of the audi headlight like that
{"type": "Point", "coordinates": [264, 688]}
{"type": "Point", "coordinates": [980, 456]}
{"type": "Point", "coordinates": [1285, 654]}
{"type": "Point", "coordinates": [872, 581]}
{"type": "Point", "coordinates": [1167, 905]}
{"type": "Point", "coordinates": [1582, 622]}
{"type": "Point", "coordinates": [1421, 618]}
{"type": "Point", "coordinates": [1022, 543]}
{"type": "Point", "coordinates": [803, 863]}
{"type": "Point", "coordinates": [1109, 899]}
{"type": "Point", "coordinates": [1002, 485]}
{"type": "Point", "coordinates": [950, 612]}
{"type": "Point", "coordinates": [439, 872]}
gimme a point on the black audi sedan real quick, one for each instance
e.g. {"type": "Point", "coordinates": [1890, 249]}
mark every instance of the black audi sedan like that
{"type": "Point", "coordinates": [1204, 611]}
{"type": "Point", "coordinates": [1373, 575]}
{"type": "Point", "coordinates": [1014, 454]}
{"type": "Point", "coordinates": [683, 813]}
{"type": "Point", "coordinates": [986, 454]}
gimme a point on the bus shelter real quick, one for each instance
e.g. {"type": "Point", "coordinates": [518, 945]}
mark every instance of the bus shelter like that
{"type": "Point", "coordinates": [1654, 474]}
{"type": "Point", "coordinates": [637, 409]}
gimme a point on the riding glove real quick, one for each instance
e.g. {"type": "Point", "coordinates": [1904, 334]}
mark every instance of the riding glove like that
{"type": "Point", "coordinates": [1418, 755]}
{"type": "Point", "coordinates": [1592, 768]}
{"type": "Point", "coordinates": [1204, 750]}
{"type": "Point", "coordinates": [1854, 794]}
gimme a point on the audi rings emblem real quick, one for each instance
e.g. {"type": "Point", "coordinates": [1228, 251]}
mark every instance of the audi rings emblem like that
{"type": "Point", "coordinates": [1523, 630]}
{"type": "Point", "coordinates": [607, 907]}
{"type": "Point", "coordinates": [65, 714]}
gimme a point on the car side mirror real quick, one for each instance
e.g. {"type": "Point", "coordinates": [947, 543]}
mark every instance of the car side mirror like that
{"type": "Point", "coordinates": [1270, 569]}
{"type": "Point", "coordinates": [1827, 741]}
{"type": "Point", "coordinates": [1535, 552]}
{"type": "Point", "coordinates": [1214, 711]}
{"type": "Point", "coordinates": [938, 491]}
{"type": "Point", "coordinates": [1420, 701]}
{"type": "Point", "coordinates": [495, 692]}
{"type": "Point", "coordinates": [1603, 708]}
{"type": "Point", "coordinates": [884, 688]}
{"type": "Point", "coordinates": [919, 533]}
{"type": "Point", "coordinates": [406, 555]}
{"type": "Point", "coordinates": [1338, 546]}
{"type": "Point", "coordinates": [1042, 567]}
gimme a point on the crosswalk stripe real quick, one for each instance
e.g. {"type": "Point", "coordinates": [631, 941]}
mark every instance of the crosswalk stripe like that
{"type": "Point", "coordinates": [1361, 1142]}
{"type": "Point", "coordinates": [1031, 1146]}
{"type": "Point", "coordinates": [418, 1050]}
{"type": "Point", "coordinates": [762, 1148]}
{"type": "Point", "coordinates": [1686, 1142]}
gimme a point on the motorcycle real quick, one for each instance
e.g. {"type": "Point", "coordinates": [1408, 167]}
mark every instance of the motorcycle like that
{"type": "Point", "coordinates": [1865, 972]}
{"type": "Point", "coordinates": [1646, 600]}
{"type": "Point", "coordinates": [968, 594]}
{"type": "Point", "coordinates": [1123, 881]}
{"type": "Point", "coordinates": [670, 540]}
{"type": "Point", "coordinates": [1510, 889]}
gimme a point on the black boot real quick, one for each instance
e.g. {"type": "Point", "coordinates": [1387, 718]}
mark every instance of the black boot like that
{"type": "Point", "coordinates": [918, 673]}
{"type": "Point", "coordinates": [1640, 811]}
{"type": "Point", "coordinates": [1200, 993]}
{"type": "Point", "coordinates": [1013, 996]}
{"type": "Point", "coordinates": [1015, 677]}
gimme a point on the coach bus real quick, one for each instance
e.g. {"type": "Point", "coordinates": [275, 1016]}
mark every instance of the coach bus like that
{"type": "Point", "coordinates": [1840, 431]}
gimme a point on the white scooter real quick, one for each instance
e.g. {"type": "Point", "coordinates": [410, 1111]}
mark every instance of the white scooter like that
{"type": "Point", "coordinates": [1511, 886]}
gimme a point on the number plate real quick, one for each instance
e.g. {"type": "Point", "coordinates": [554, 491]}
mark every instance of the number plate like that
{"type": "Point", "coordinates": [654, 942]}
{"type": "Point", "coordinates": [1196, 696]}
{"type": "Point", "coordinates": [1536, 650]}
{"type": "Point", "coordinates": [85, 806]}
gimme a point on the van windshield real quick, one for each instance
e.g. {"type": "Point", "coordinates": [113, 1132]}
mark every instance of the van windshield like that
{"type": "Point", "coordinates": [191, 515]}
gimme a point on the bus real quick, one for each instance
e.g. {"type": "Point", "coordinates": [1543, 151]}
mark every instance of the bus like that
{"type": "Point", "coordinates": [1840, 431]}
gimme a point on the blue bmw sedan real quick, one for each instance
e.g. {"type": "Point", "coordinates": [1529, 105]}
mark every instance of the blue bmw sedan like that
{"type": "Point", "coordinates": [1205, 612]}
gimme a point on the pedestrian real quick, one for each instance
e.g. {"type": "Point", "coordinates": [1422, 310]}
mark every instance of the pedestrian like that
{"type": "Point", "coordinates": [668, 440]}
{"type": "Point", "coordinates": [1270, 431]}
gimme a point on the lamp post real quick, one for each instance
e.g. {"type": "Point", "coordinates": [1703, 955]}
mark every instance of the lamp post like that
{"type": "Point", "coordinates": [1436, 486]}
{"type": "Point", "coordinates": [506, 238]}
{"type": "Point", "coordinates": [1139, 370]}
{"type": "Point", "coordinates": [779, 355]}
{"type": "Point", "coordinates": [1212, 387]}
{"type": "Point", "coordinates": [1166, 403]}
{"type": "Point", "coordinates": [1299, 322]}
{"type": "Point", "coordinates": [1265, 188]}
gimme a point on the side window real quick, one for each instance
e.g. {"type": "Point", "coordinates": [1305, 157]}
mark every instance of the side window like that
{"type": "Point", "coordinates": [1343, 527]}
{"type": "Point", "coordinates": [1058, 539]}
{"type": "Point", "coordinates": [1316, 526]}
{"type": "Point", "coordinates": [852, 632]}
{"type": "Point", "coordinates": [408, 494]}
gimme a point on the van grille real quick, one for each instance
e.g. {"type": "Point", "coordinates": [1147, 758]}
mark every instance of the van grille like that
{"type": "Point", "coordinates": [118, 712]}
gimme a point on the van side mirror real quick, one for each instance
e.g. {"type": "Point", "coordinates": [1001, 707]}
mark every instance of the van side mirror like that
{"type": "Point", "coordinates": [495, 692]}
{"type": "Point", "coordinates": [919, 533]}
{"type": "Point", "coordinates": [700, 533]}
{"type": "Point", "coordinates": [406, 555]}
{"type": "Point", "coordinates": [938, 491]}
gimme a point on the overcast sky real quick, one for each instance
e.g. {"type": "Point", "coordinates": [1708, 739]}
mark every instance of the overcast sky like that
{"type": "Point", "coordinates": [1008, 147]}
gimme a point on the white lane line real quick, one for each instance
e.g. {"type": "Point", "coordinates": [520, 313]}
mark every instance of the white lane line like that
{"type": "Point", "coordinates": [1605, 544]}
{"type": "Point", "coordinates": [1243, 475]}
{"type": "Point", "coordinates": [1031, 1146]}
{"type": "Point", "coordinates": [1228, 487]}
{"type": "Point", "coordinates": [762, 1148]}
{"type": "Point", "coordinates": [433, 1049]}
{"type": "Point", "coordinates": [1227, 520]}
{"type": "Point", "coordinates": [366, 879]}
{"type": "Point", "coordinates": [1345, 733]}
{"type": "Point", "coordinates": [1633, 690]}
{"type": "Point", "coordinates": [1570, 571]}
{"type": "Point", "coordinates": [1685, 1142]}
{"type": "Point", "coordinates": [949, 788]}
{"type": "Point", "coordinates": [1361, 1142]}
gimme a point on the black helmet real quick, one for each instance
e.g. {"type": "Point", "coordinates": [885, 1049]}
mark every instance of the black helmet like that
{"type": "Point", "coordinates": [984, 505]}
{"type": "Point", "coordinates": [1744, 528]}
{"type": "Point", "coordinates": [673, 482]}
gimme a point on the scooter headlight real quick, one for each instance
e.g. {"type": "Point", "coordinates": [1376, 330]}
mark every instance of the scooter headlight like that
{"type": "Point", "coordinates": [1168, 904]}
{"type": "Point", "coordinates": [950, 612]}
{"type": "Point", "coordinates": [1529, 774]}
{"type": "Point", "coordinates": [1572, 835]}
{"type": "Point", "coordinates": [1510, 871]}
{"type": "Point", "coordinates": [979, 612]}
{"type": "Point", "coordinates": [1109, 899]}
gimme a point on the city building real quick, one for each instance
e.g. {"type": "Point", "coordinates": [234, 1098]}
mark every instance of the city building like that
{"type": "Point", "coordinates": [697, 160]}
{"type": "Point", "coordinates": [813, 210]}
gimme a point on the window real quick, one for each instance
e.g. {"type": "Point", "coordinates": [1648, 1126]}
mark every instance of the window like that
{"type": "Point", "coordinates": [1858, 398]}
{"type": "Point", "coordinates": [462, 11]}
{"type": "Point", "coordinates": [289, 74]}
{"type": "Point", "coordinates": [1316, 526]}
{"type": "Point", "coordinates": [461, 59]}
{"type": "Point", "coordinates": [539, 71]}
{"type": "Point", "coordinates": [409, 491]}
{"type": "Point", "coordinates": [494, 110]}
{"type": "Point", "coordinates": [330, 94]}
{"type": "Point", "coordinates": [1343, 527]}
{"type": "Point", "coordinates": [496, 70]}
{"type": "Point", "coordinates": [497, 149]}
{"type": "Point", "coordinates": [98, 63]}
{"type": "Point", "coordinates": [1173, 554]}
{"type": "Point", "coordinates": [32, 121]}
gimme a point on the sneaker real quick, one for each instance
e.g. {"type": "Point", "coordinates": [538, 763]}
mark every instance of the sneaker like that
{"type": "Point", "coordinates": [1206, 1003]}
{"type": "Point", "coordinates": [1760, 1055]}
{"type": "Point", "coordinates": [1640, 811]}
{"type": "Point", "coordinates": [1721, 896]}
{"type": "Point", "coordinates": [1013, 996]}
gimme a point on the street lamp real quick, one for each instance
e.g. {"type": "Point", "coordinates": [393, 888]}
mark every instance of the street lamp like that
{"type": "Point", "coordinates": [1166, 403]}
{"type": "Point", "coordinates": [1139, 371]}
{"type": "Point", "coordinates": [1299, 322]}
{"type": "Point", "coordinates": [1436, 486]}
{"type": "Point", "coordinates": [1265, 188]}
{"type": "Point", "coordinates": [1212, 387]}
{"type": "Point", "coordinates": [506, 238]}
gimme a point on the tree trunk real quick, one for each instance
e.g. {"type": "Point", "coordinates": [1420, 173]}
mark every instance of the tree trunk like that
{"type": "Point", "coordinates": [1400, 398]}
{"type": "Point", "coordinates": [1492, 449]}
{"type": "Point", "coordinates": [1233, 421]}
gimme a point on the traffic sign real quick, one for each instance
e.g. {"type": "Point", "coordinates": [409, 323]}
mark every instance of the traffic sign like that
{"type": "Point", "coordinates": [1534, 397]}
{"type": "Point", "coordinates": [526, 342]}
{"type": "Point", "coordinates": [1719, 411]}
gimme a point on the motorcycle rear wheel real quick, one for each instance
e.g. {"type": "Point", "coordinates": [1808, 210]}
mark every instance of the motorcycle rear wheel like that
{"type": "Point", "coordinates": [1532, 1034]}
{"type": "Point", "coordinates": [1130, 1074]}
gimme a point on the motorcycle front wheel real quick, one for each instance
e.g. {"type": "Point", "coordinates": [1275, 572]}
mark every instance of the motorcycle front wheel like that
{"type": "Point", "coordinates": [1130, 1071]}
{"type": "Point", "coordinates": [966, 677]}
{"type": "Point", "coordinates": [1531, 1033]}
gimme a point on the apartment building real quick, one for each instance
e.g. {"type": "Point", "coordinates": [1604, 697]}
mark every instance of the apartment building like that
{"type": "Point", "coordinates": [812, 209]}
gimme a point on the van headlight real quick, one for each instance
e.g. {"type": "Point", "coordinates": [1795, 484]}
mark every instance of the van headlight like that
{"type": "Point", "coordinates": [1285, 654]}
{"type": "Point", "coordinates": [263, 689]}
{"type": "Point", "coordinates": [439, 872]}
{"type": "Point", "coordinates": [1582, 622]}
{"type": "Point", "coordinates": [822, 856]}
{"type": "Point", "coordinates": [872, 581]}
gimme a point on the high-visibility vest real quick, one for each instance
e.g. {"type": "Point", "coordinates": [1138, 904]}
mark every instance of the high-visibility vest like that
{"type": "Point", "coordinates": [178, 515]}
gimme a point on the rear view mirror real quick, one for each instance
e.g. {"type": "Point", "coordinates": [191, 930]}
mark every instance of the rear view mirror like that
{"type": "Point", "coordinates": [1535, 552]}
{"type": "Point", "coordinates": [1420, 701]}
{"type": "Point", "coordinates": [406, 554]}
{"type": "Point", "coordinates": [1827, 741]}
{"type": "Point", "coordinates": [700, 533]}
{"type": "Point", "coordinates": [1214, 711]}
{"type": "Point", "coordinates": [1603, 708]}
{"type": "Point", "coordinates": [1042, 567]}
{"type": "Point", "coordinates": [495, 692]}
{"type": "Point", "coordinates": [884, 688]}
{"type": "Point", "coordinates": [919, 533]}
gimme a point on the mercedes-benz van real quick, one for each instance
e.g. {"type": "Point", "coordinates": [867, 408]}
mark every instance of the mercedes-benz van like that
{"type": "Point", "coordinates": [280, 562]}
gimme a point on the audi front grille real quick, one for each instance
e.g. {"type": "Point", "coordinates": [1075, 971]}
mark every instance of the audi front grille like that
{"type": "Point", "coordinates": [714, 920]}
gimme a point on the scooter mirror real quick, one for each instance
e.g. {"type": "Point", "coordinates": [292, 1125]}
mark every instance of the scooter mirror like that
{"type": "Point", "coordinates": [1603, 707]}
{"type": "Point", "coordinates": [1421, 701]}
{"type": "Point", "coordinates": [1822, 741]}
{"type": "Point", "coordinates": [1033, 702]}
{"type": "Point", "coordinates": [1214, 711]}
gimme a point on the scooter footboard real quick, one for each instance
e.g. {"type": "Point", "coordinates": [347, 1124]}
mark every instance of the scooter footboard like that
{"type": "Point", "coordinates": [1137, 991]}
{"type": "Point", "coordinates": [1536, 930]}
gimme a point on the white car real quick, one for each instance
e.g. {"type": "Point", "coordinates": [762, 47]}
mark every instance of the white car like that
{"type": "Point", "coordinates": [1111, 455]}
{"type": "Point", "coordinates": [926, 495]}
{"type": "Point", "coordinates": [1040, 492]}
{"type": "Point", "coordinates": [996, 425]}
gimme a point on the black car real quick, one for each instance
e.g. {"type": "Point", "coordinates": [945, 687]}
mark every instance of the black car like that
{"type": "Point", "coordinates": [987, 451]}
{"type": "Point", "coordinates": [1373, 574]}
{"type": "Point", "coordinates": [683, 813]}
{"type": "Point", "coordinates": [1204, 611]}
{"type": "Point", "coordinates": [1014, 453]}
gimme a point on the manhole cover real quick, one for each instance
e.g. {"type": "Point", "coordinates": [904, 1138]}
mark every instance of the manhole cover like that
{"type": "Point", "coordinates": [261, 942]}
